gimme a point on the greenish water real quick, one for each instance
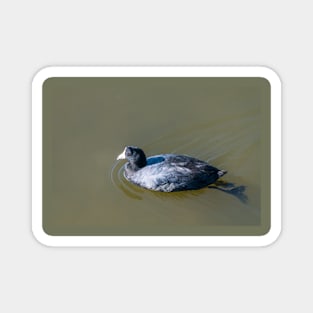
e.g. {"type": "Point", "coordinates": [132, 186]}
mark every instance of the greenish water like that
{"type": "Point", "coordinates": [87, 122]}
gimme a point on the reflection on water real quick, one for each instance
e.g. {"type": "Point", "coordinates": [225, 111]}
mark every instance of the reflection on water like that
{"type": "Point", "coordinates": [88, 122]}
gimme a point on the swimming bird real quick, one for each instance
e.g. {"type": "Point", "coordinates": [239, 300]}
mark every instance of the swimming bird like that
{"type": "Point", "coordinates": [167, 172]}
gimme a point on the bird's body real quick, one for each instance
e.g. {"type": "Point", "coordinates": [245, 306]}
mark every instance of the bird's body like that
{"type": "Point", "coordinates": [168, 172]}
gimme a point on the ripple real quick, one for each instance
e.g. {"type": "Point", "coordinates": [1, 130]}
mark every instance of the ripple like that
{"type": "Point", "coordinates": [221, 144]}
{"type": "Point", "coordinates": [121, 184]}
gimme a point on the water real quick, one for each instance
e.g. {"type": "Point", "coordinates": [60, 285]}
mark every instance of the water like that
{"type": "Point", "coordinates": [87, 122]}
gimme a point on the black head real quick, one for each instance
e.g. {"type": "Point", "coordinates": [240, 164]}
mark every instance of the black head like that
{"type": "Point", "coordinates": [135, 156]}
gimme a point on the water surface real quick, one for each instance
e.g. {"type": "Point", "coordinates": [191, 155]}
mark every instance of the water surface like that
{"type": "Point", "coordinates": [87, 122]}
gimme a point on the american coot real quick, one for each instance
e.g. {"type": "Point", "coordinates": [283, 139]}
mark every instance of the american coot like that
{"type": "Point", "coordinates": [167, 172]}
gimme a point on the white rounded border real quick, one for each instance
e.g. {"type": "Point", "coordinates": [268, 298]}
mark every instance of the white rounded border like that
{"type": "Point", "coordinates": [156, 241]}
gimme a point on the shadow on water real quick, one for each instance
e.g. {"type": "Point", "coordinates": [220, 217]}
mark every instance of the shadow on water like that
{"type": "Point", "coordinates": [232, 189]}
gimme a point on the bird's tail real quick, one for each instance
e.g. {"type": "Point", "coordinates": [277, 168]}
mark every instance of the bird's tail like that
{"type": "Point", "coordinates": [221, 173]}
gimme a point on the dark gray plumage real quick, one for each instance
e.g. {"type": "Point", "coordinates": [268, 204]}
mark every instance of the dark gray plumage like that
{"type": "Point", "coordinates": [167, 172]}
